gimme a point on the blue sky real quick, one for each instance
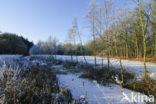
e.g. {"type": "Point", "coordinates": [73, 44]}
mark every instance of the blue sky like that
{"type": "Point", "coordinates": [39, 19]}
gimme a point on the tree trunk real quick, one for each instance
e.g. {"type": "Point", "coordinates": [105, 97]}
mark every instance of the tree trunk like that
{"type": "Point", "coordinates": [82, 51]}
{"type": "Point", "coordinates": [121, 65]}
{"type": "Point", "coordinates": [108, 62]}
{"type": "Point", "coordinates": [102, 59]}
{"type": "Point", "coordinates": [116, 50]}
{"type": "Point", "coordinates": [144, 39]}
{"type": "Point", "coordinates": [95, 61]}
{"type": "Point", "coordinates": [126, 45]}
{"type": "Point", "coordinates": [137, 48]}
{"type": "Point", "coordinates": [75, 49]}
{"type": "Point", "coordinates": [126, 50]}
{"type": "Point", "coordinates": [155, 46]}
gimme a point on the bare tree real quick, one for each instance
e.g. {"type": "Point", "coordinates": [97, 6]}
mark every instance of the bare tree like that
{"type": "Point", "coordinates": [91, 16]}
{"type": "Point", "coordinates": [107, 15]}
{"type": "Point", "coordinates": [71, 38]}
{"type": "Point", "coordinates": [77, 33]}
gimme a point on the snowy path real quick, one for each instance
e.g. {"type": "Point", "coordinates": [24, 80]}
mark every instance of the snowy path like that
{"type": "Point", "coordinates": [133, 66]}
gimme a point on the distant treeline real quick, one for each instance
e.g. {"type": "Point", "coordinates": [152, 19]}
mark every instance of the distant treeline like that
{"type": "Point", "coordinates": [14, 44]}
{"type": "Point", "coordinates": [51, 46]}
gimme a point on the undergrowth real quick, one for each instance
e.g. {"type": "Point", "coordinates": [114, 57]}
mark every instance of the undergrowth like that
{"type": "Point", "coordinates": [146, 86]}
{"type": "Point", "coordinates": [100, 74]}
{"type": "Point", "coordinates": [104, 75]}
{"type": "Point", "coordinates": [34, 86]}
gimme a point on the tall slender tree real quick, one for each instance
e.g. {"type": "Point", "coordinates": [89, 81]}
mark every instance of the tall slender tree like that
{"type": "Point", "coordinates": [77, 34]}
{"type": "Point", "coordinates": [91, 16]}
{"type": "Point", "coordinates": [143, 36]}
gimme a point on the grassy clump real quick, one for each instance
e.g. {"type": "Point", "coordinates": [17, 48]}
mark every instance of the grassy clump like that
{"type": "Point", "coordinates": [35, 86]}
{"type": "Point", "coordinates": [70, 64]}
{"type": "Point", "coordinates": [103, 75]}
{"type": "Point", "coordinates": [98, 73]}
{"type": "Point", "coordinates": [49, 60]}
{"type": "Point", "coordinates": [146, 86]}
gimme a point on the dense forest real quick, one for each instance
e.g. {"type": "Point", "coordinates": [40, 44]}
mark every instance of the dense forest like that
{"type": "Point", "coordinates": [14, 44]}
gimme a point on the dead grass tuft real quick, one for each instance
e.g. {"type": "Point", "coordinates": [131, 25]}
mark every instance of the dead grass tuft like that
{"type": "Point", "coordinates": [146, 86]}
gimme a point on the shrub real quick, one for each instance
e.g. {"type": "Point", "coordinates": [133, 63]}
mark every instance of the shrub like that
{"type": "Point", "coordinates": [35, 86]}
{"type": "Point", "coordinates": [146, 86]}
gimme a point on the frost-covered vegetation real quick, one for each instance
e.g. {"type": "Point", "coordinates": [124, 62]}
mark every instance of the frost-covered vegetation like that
{"type": "Point", "coordinates": [48, 79]}
{"type": "Point", "coordinates": [10, 59]}
{"type": "Point", "coordinates": [52, 46]}
{"type": "Point", "coordinates": [37, 85]}
{"type": "Point", "coordinates": [72, 72]}
{"type": "Point", "coordinates": [134, 67]}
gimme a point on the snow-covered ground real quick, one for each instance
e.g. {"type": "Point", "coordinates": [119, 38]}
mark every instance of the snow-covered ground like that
{"type": "Point", "coordinates": [95, 93]}
{"type": "Point", "coordinates": [9, 59]}
{"type": "Point", "coordinates": [133, 66]}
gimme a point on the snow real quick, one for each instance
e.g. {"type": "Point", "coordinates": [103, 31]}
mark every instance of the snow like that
{"type": "Point", "coordinates": [135, 67]}
{"type": "Point", "coordinates": [81, 88]}
{"type": "Point", "coordinates": [95, 93]}
{"type": "Point", "coordinates": [9, 59]}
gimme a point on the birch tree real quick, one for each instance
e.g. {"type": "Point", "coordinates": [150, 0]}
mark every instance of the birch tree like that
{"type": "Point", "coordinates": [143, 36]}
{"type": "Point", "coordinates": [107, 15]}
{"type": "Point", "coordinates": [77, 33]}
{"type": "Point", "coordinates": [91, 16]}
{"type": "Point", "coordinates": [71, 39]}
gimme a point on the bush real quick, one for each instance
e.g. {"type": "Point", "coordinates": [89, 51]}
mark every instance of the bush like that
{"type": "Point", "coordinates": [103, 75]}
{"type": "Point", "coordinates": [146, 86]}
{"type": "Point", "coordinates": [35, 86]}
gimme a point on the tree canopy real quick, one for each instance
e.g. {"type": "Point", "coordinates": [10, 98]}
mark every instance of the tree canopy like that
{"type": "Point", "coordinates": [14, 44]}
